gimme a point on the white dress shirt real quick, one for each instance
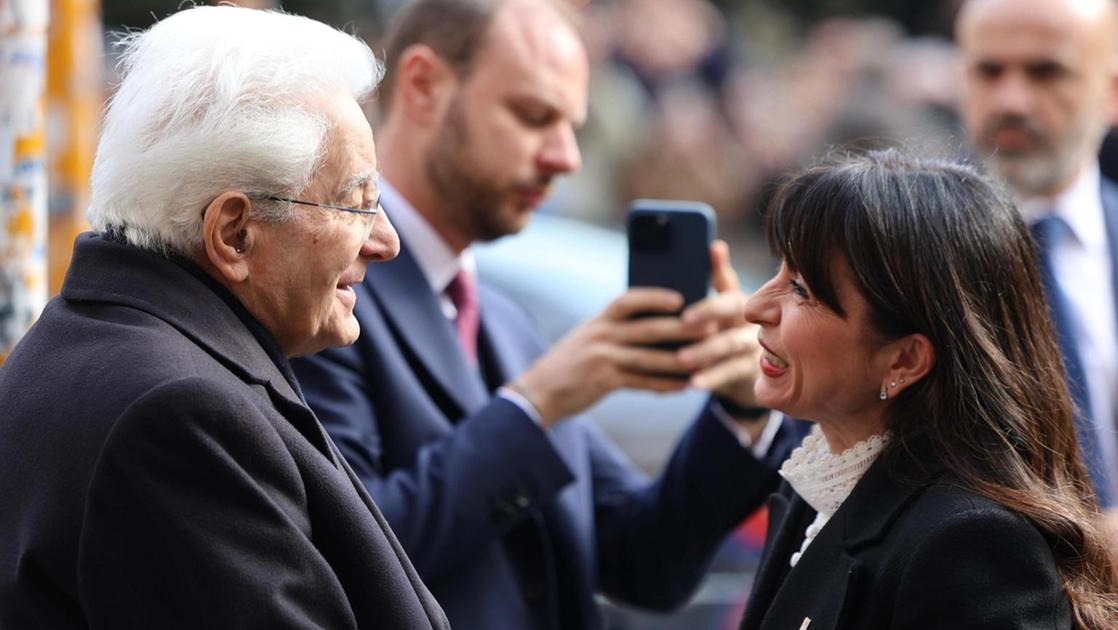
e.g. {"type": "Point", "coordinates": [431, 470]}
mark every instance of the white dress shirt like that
{"type": "Point", "coordinates": [1082, 264]}
{"type": "Point", "coordinates": [434, 256]}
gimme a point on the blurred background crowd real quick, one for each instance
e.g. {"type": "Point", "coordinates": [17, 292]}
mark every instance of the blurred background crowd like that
{"type": "Point", "coordinates": [714, 100]}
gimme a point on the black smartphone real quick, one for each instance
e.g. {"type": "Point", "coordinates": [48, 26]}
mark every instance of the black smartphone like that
{"type": "Point", "coordinates": [669, 246]}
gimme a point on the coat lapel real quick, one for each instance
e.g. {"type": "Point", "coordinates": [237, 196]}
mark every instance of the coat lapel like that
{"type": "Point", "coordinates": [817, 589]}
{"type": "Point", "coordinates": [419, 324]}
{"type": "Point", "coordinates": [788, 517]}
{"type": "Point", "coordinates": [502, 344]}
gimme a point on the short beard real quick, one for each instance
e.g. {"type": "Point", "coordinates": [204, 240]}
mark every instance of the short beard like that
{"type": "Point", "coordinates": [469, 200]}
{"type": "Point", "coordinates": [1050, 167]}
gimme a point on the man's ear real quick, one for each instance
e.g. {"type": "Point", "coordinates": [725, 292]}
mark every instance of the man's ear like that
{"type": "Point", "coordinates": [228, 235]}
{"type": "Point", "coordinates": [425, 85]}
{"type": "Point", "coordinates": [911, 358]}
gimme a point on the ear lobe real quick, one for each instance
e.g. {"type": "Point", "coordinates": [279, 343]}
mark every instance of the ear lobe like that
{"type": "Point", "coordinates": [424, 84]}
{"type": "Point", "coordinates": [914, 356]}
{"type": "Point", "coordinates": [228, 236]}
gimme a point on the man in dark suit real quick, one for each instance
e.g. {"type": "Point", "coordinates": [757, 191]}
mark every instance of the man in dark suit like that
{"type": "Point", "coordinates": [1041, 85]}
{"type": "Point", "coordinates": [464, 427]}
{"type": "Point", "coordinates": [158, 465]}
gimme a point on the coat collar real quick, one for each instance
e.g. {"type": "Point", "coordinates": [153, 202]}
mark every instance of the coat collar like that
{"type": "Point", "coordinates": [832, 560]}
{"type": "Point", "coordinates": [106, 271]}
{"type": "Point", "coordinates": [877, 501]}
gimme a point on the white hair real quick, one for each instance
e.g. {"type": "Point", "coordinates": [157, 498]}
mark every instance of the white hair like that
{"type": "Point", "coordinates": [215, 99]}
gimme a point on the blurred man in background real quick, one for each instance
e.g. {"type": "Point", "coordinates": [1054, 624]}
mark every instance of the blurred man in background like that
{"type": "Point", "coordinates": [1041, 87]}
{"type": "Point", "coordinates": [462, 425]}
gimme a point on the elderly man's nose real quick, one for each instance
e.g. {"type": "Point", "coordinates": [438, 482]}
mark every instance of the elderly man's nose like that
{"type": "Point", "coordinates": [382, 243]}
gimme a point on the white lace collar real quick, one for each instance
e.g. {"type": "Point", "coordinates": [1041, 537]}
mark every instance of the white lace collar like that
{"type": "Point", "coordinates": [825, 479]}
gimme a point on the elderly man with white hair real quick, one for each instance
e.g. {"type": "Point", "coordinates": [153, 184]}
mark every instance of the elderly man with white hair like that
{"type": "Point", "coordinates": [158, 465]}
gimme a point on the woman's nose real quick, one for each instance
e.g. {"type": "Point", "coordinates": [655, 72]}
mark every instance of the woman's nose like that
{"type": "Point", "coordinates": [761, 308]}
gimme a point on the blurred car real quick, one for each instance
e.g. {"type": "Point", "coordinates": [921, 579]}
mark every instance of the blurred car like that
{"type": "Point", "coordinates": [563, 272]}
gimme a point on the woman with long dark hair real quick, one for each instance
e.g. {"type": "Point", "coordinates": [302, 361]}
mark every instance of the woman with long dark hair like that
{"type": "Point", "coordinates": [941, 486]}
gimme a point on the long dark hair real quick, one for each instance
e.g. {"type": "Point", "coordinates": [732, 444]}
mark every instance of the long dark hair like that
{"type": "Point", "coordinates": [936, 248]}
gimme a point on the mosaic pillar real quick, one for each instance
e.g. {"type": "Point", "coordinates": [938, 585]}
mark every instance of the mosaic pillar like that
{"type": "Point", "coordinates": [23, 178]}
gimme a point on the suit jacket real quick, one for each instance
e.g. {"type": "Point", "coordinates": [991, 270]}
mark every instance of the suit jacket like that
{"type": "Point", "coordinates": [906, 556]}
{"type": "Point", "coordinates": [1086, 425]}
{"type": "Point", "coordinates": [512, 526]}
{"type": "Point", "coordinates": [158, 471]}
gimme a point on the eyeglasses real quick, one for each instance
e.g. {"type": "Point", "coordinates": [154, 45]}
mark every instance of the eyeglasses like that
{"type": "Point", "coordinates": [366, 211]}
{"type": "Point", "coordinates": [369, 214]}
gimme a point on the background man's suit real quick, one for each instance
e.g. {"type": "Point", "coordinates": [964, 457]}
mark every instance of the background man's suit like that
{"type": "Point", "coordinates": [1090, 429]}
{"type": "Point", "coordinates": [511, 526]}
{"type": "Point", "coordinates": [157, 470]}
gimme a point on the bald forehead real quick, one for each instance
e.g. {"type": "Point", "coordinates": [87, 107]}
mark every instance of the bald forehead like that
{"type": "Point", "coordinates": [1070, 18]}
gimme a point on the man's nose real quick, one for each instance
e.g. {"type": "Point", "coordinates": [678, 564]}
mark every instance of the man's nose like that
{"type": "Point", "coordinates": [559, 154]}
{"type": "Point", "coordinates": [1012, 94]}
{"type": "Point", "coordinates": [383, 243]}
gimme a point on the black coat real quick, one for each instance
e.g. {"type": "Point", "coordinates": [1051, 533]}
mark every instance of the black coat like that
{"type": "Point", "coordinates": [157, 470]}
{"type": "Point", "coordinates": [908, 557]}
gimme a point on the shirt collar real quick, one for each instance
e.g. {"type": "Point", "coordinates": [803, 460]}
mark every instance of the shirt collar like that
{"type": "Point", "coordinates": [1079, 205]}
{"type": "Point", "coordinates": [433, 255]}
{"type": "Point", "coordinates": [824, 479]}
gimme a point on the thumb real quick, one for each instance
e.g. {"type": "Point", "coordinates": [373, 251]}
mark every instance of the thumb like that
{"type": "Point", "coordinates": [722, 274]}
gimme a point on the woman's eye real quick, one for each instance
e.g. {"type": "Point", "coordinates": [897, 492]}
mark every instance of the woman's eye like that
{"type": "Point", "coordinates": [799, 289]}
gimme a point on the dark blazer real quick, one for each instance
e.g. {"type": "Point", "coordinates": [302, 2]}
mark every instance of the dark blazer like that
{"type": "Point", "coordinates": [909, 557]}
{"type": "Point", "coordinates": [1101, 475]}
{"type": "Point", "coordinates": [512, 526]}
{"type": "Point", "coordinates": [158, 471]}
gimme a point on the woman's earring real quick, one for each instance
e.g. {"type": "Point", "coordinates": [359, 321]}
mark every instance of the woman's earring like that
{"type": "Point", "coordinates": [884, 394]}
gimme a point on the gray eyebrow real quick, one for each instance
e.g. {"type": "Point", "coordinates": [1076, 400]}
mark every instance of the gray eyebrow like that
{"type": "Point", "coordinates": [357, 181]}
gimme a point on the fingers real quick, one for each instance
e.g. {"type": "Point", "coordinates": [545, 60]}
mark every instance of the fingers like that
{"type": "Point", "coordinates": [643, 300]}
{"type": "Point", "coordinates": [722, 275]}
{"type": "Point", "coordinates": [734, 378]}
{"type": "Point", "coordinates": [725, 309]}
{"type": "Point", "coordinates": [654, 383]}
{"type": "Point", "coordinates": [653, 330]}
{"type": "Point", "coordinates": [736, 343]}
{"type": "Point", "coordinates": [647, 361]}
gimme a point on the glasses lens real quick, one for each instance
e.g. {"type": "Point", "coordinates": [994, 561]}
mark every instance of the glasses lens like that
{"type": "Point", "coordinates": [369, 220]}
